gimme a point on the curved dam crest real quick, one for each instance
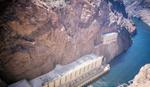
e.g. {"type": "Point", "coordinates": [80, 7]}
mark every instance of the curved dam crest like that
{"type": "Point", "coordinates": [127, 65]}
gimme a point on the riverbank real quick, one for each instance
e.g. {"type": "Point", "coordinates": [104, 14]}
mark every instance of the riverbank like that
{"type": "Point", "coordinates": [142, 79]}
{"type": "Point", "coordinates": [128, 64]}
{"type": "Point", "coordinates": [139, 8]}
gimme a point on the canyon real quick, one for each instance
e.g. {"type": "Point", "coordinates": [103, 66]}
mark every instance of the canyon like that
{"type": "Point", "coordinates": [140, 9]}
{"type": "Point", "coordinates": [36, 35]}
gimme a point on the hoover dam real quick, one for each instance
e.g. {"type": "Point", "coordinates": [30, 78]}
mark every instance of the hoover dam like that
{"type": "Point", "coordinates": [74, 43]}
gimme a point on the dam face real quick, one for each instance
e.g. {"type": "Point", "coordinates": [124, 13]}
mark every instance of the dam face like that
{"type": "Point", "coordinates": [77, 73]}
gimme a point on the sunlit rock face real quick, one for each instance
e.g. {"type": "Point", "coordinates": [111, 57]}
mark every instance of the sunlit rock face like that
{"type": "Point", "coordinates": [142, 79]}
{"type": "Point", "coordinates": [38, 34]}
{"type": "Point", "coordinates": [122, 19]}
{"type": "Point", "coordinates": [139, 8]}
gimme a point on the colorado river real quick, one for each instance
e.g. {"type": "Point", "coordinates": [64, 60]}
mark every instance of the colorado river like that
{"type": "Point", "coordinates": [127, 65]}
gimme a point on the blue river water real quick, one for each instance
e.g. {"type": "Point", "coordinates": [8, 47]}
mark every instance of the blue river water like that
{"type": "Point", "coordinates": [128, 64]}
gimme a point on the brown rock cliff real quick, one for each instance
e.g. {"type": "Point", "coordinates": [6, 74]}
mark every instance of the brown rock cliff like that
{"type": "Point", "coordinates": [36, 35]}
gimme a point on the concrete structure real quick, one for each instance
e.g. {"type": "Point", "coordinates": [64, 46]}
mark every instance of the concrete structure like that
{"type": "Point", "coordinates": [62, 75]}
{"type": "Point", "coordinates": [110, 37]}
{"type": "Point", "coordinates": [75, 74]}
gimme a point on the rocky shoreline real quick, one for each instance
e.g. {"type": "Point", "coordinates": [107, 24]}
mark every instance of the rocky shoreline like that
{"type": "Point", "coordinates": [142, 79]}
{"type": "Point", "coordinates": [139, 8]}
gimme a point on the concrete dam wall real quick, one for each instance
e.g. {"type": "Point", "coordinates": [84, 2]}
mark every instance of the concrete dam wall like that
{"type": "Point", "coordinates": [74, 74]}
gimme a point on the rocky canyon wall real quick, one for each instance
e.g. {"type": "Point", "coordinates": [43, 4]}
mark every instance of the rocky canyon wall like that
{"type": "Point", "coordinates": [142, 79]}
{"type": "Point", "coordinates": [36, 35]}
{"type": "Point", "coordinates": [139, 8]}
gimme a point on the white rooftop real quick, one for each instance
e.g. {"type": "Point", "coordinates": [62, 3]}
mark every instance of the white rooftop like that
{"type": "Point", "coordinates": [110, 34]}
